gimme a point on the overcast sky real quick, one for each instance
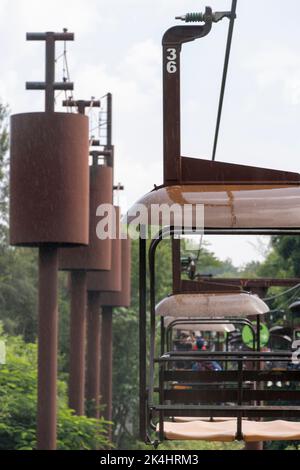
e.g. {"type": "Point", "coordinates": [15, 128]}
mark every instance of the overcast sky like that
{"type": "Point", "coordinates": [117, 48]}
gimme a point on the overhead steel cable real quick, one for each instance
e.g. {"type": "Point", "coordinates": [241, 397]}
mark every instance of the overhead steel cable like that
{"type": "Point", "coordinates": [282, 293]}
{"type": "Point", "coordinates": [224, 77]}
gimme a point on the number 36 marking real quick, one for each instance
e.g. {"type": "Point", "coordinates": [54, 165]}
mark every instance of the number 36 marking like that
{"type": "Point", "coordinates": [172, 60]}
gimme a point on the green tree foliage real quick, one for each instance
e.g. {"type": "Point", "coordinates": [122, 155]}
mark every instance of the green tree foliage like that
{"type": "Point", "coordinates": [288, 252]}
{"type": "Point", "coordinates": [18, 398]}
{"type": "Point", "coordinates": [18, 292]}
{"type": "Point", "coordinates": [17, 266]}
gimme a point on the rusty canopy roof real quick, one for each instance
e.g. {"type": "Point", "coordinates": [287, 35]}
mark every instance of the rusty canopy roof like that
{"type": "Point", "coordinates": [211, 305]}
{"type": "Point", "coordinates": [237, 206]}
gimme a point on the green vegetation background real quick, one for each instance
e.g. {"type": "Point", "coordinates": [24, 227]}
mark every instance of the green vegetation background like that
{"type": "Point", "coordinates": [18, 319]}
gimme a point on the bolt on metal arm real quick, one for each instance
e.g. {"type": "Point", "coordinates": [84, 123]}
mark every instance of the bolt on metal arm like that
{"type": "Point", "coordinates": [204, 17]}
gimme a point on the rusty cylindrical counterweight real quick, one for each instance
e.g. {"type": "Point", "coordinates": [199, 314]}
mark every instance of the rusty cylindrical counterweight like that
{"type": "Point", "coordinates": [97, 256]}
{"type": "Point", "coordinates": [49, 179]}
{"type": "Point", "coordinates": [121, 298]}
{"type": "Point", "coordinates": [109, 280]}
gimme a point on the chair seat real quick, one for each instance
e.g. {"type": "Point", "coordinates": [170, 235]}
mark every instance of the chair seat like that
{"type": "Point", "coordinates": [200, 431]}
{"type": "Point", "coordinates": [278, 430]}
{"type": "Point", "coordinates": [225, 431]}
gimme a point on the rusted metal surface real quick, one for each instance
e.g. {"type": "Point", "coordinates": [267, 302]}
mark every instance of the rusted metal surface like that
{"type": "Point", "coordinates": [211, 285]}
{"type": "Point", "coordinates": [215, 284]}
{"type": "Point", "coordinates": [98, 254]}
{"type": "Point", "coordinates": [47, 349]}
{"type": "Point", "coordinates": [121, 298]}
{"type": "Point", "coordinates": [254, 446]}
{"type": "Point", "coordinates": [109, 280]}
{"type": "Point", "coordinates": [179, 169]}
{"type": "Point", "coordinates": [106, 361]}
{"type": "Point", "coordinates": [264, 207]}
{"type": "Point", "coordinates": [173, 40]}
{"type": "Point", "coordinates": [196, 170]}
{"type": "Point", "coordinates": [49, 179]}
{"type": "Point", "coordinates": [77, 341]}
{"type": "Point", "coordinates": [93, 354]}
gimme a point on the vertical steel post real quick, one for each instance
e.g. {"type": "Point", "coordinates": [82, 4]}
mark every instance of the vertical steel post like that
{"type": "Point", "coordinates": [77, 341]}
{"type": "Point", "coordinates": [106, 362]}
{"type": "Point", "coordinates": [142, 335]}
{"type": "Point", "coordinates": [176, 264]}
{"type": "Point", "coordinates": [109, 145]}
{"type": "Point", "coordinates": [48, 306]}
{"type": "Point", "coordinates": [171, 114]}
{"type": "Point", "coordinates": [172, 42]}
{"type": "Point", "coordinates": [109, 120]}
{"type": "Point", "coordinates": [47, 348]}
{"type": "Point", "coordinates": [50, 72]}
{"type": "Point", "coordinates": [257, 445]}
{"type": "Point", "coordinates": [93, 354]}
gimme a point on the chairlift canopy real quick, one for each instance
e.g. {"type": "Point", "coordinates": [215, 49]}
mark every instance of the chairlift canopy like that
{"type": "Point", "coordinates": [214, 327]}
{"type": "Point", "coordinates": [237, 206]}
{"type": "Point", "coordinates": [211, 305]}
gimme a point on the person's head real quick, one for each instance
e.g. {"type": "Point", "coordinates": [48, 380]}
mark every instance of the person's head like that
{"type": "Point", "coordinates": [200, 342]}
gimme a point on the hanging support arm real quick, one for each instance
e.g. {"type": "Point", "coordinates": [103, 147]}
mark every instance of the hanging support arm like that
{"type": "Point", "coordinates": [172, 43]}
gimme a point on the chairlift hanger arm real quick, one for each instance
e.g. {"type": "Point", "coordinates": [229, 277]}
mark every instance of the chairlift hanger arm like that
{"type": "Point", "coordinates": [172, 42]}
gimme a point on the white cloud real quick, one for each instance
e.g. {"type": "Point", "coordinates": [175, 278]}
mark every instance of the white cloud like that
{"type": "Point", "coordinates": [278, 65]}
{"type": "Point", "coordinates": [143, 63]}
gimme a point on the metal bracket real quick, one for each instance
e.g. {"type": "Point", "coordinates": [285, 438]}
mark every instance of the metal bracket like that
{"type": "Point", "coordinates": [50, 85]}
{"type": "Point", "coordinates": [81, 105]}
{"type": "Point", "coordinates": [95, 154]}
{"type": "Point", "coordinates": [207, 16]}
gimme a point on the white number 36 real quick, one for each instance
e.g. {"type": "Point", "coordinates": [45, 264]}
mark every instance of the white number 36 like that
{"type": "Point", "coordinates": [171, 60]}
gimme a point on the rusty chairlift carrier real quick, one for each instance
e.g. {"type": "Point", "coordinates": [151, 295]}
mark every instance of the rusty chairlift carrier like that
{"type": "Point", "coordinates": [237, 199]}
{"type": "Point", "coordinates": [169, 325]}
{"type": "Point", "coordinates": [243, 401]}
{"type": "Point", "coordinates": [215, 311]}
